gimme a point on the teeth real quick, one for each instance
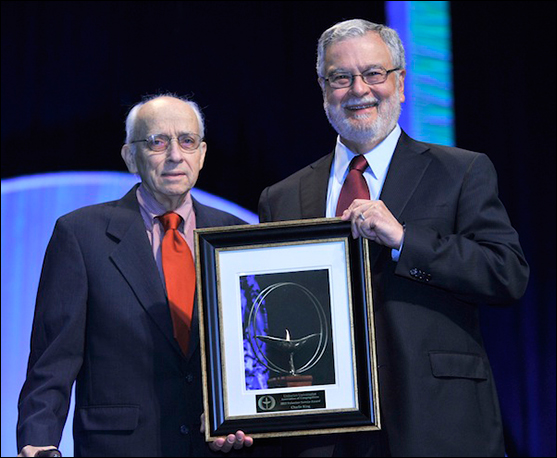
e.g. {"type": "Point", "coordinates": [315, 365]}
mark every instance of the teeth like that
{"type": "Point", "coordinates": [361, 107]}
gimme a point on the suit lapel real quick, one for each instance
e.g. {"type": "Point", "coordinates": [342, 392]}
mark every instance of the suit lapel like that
{"type": "Point", "coordinates": [202, 220]}
{"type": "Point", "coordinates": [406, 170]}
{"type": "Point", "coordinates": [133, 256]}
{"type": "Point", "coordinates": [313, 188]}
{"type": "Point", "coordinates": [405, 173]}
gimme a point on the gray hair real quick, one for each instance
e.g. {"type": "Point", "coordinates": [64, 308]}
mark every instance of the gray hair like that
{"type": "Point", "coordinates": [357, 28]}
{"type": "Point", "coordinates": [132, 115]}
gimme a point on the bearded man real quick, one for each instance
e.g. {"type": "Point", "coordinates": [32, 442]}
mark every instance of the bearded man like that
{"type": "Point", "coordinates": [442, 244]}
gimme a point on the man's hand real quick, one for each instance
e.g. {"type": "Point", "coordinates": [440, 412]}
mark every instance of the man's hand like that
{"type": "Point", "coordinates": [232, 441]}
{"type": "Point", "coordinates": [30, 450]}
{"type": "Point", "coordinates": [373, 220]}
{"type": "Point", "coordinates": [236, 441]}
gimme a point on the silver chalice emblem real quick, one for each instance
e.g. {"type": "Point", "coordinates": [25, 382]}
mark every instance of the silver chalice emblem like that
{"type": "Point", "coordinates": [290, 373]}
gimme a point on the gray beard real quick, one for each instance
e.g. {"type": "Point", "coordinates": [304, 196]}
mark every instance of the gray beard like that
{"type": "Point", "coordinates": [362, 132]}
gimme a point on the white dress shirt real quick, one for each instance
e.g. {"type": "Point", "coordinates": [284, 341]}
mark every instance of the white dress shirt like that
{"type": "Point", "coordinates": [379, 159]}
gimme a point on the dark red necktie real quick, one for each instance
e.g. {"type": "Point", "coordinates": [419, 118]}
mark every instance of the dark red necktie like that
{"type": "Point", "coordinates": [179, 275]}
{"type": "Point", "coordinates": [355, 186]}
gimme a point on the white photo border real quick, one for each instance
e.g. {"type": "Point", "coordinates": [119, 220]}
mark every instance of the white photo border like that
{"type": "Point", "coordinates": [223, 256]}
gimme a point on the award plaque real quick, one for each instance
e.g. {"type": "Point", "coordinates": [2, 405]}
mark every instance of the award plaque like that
{"type": "Point", "coordinates": [286, 329]}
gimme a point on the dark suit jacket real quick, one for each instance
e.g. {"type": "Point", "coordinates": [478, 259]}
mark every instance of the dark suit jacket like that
{"type": "Point", "coordinates": [437, 392]}
{"type": "Point", "coordinates": [102, 319]}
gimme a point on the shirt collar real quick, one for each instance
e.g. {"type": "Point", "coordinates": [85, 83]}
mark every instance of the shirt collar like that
{"type": "Point", "coordinates": [378, 158]}
{"type": "Point", "coordinates": [151, 208]}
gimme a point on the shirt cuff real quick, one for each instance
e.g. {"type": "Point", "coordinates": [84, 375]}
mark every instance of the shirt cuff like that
{"type": "Point", "coordinates": [395, 254]}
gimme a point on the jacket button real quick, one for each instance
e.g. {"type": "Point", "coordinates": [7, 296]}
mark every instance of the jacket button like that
{"type": "Point", "coordinates": [189, 378]}
{"type": "Point", "coordinates": [184, 430]}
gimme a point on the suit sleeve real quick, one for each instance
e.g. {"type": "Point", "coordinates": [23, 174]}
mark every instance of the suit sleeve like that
{"type": "Point", "coordinates": [481, 260]}
{"type": "Point", "coordinates": [57, 342]}
{"type": "Point", "coordinates": [264, 208]}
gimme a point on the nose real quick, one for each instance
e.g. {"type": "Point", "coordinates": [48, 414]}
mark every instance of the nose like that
{"type": "Point", "coordinates": [174, 152]}
{"type": "Point", "coordinates": [359, 87]}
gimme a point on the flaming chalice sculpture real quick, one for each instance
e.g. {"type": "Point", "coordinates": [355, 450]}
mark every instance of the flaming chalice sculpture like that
{"type": "Point", "coordinates": [293, 376]}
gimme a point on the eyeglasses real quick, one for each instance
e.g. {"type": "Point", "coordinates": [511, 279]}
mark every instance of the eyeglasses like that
{"type": "Point", "coordinates": [371, 77]}
{"type": "Point", "coordinates": [160, 142]}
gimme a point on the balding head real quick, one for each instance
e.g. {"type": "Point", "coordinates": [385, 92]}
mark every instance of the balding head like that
{"type": "Point", "coordinates": [168, 174]}
{"type": "Point", "coordinates": [132, 115]}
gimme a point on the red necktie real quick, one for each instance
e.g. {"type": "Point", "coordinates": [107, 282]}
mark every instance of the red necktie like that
{"type": "Point", "coordinates": [355, 186]}
{"type": "Point", "coordinates": [179, 275]}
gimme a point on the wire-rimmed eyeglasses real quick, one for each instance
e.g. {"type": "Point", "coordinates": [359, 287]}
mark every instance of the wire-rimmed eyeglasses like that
{"type": "Point", "coordinates": [158, 143]}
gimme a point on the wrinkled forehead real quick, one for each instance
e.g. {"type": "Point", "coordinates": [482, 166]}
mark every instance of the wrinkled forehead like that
{"type": "Point", "coordinates": [166, 116]}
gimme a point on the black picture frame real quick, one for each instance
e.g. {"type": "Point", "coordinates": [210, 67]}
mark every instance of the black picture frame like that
{"type": "Point", "coordinates": [249, 277]}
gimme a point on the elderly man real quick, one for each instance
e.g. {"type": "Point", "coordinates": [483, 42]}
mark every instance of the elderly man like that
{"type": "Point", "coordinates": [442, 245]}
{"type": "Point", "coordinates": [115, 307]}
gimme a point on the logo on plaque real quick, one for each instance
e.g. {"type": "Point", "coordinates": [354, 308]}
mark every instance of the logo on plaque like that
{"type": "Point", "coordinates": [266, 402]}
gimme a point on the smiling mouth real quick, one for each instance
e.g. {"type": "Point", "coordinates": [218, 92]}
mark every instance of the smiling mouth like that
{"type": "Point", "coordinates": [363, 106]}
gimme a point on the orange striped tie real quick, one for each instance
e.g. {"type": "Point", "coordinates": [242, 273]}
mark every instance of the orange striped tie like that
{"type": "Point", "coordinates": [179, 275]}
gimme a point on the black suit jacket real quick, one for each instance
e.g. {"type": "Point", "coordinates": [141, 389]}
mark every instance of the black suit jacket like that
{"type": "Point", "coordinates": [437, 392]}
{"type": "Point", "coordinates": [102, 319]}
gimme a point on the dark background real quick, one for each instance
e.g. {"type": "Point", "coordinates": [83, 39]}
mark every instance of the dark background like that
{"type": "Point", "coordinates": [71, 71]}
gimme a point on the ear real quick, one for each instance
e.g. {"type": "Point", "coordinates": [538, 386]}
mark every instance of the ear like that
{"type": "Point", "coordinates": [129, 158]}
{"type": "Point", "coordinates": [202, 151]}
{"type": "Point", "coordinates": [321, 82]}
{"type": "Point", "coordinates": [401, 86]}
